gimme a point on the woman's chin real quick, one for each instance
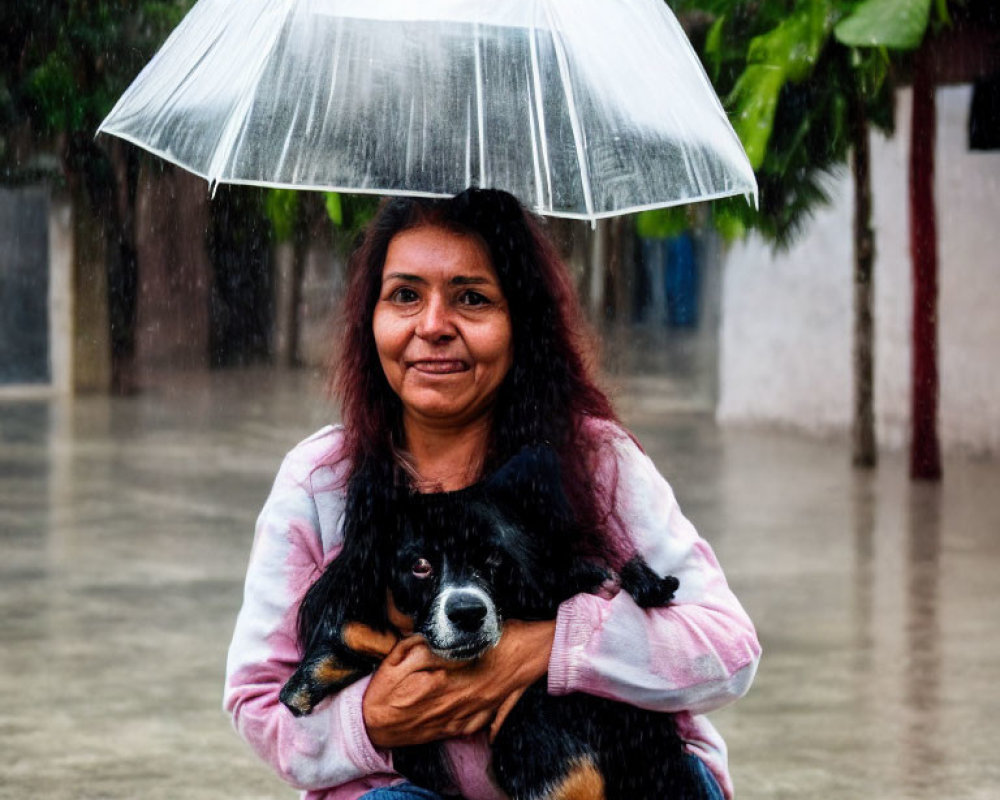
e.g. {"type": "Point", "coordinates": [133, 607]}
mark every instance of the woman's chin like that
{"type": "Point", "coordinates": [442, 416]}
{"type": "Point", "coordinates": [435, 399]}
{"type": "Point", "coordinates": [443, 412]}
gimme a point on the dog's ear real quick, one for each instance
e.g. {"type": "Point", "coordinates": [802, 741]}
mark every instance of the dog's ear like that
{"type": "Point", "coordinates": [530, 486]}
{"type": "Point", "coordinates": [335, 597]}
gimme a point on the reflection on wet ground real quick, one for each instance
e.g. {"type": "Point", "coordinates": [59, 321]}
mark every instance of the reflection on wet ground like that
{"type": "Point", "coordinates": [124, 532]}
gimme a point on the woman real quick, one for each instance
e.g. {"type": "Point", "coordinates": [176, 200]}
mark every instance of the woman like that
{"type": "Point", "coordinates": [462, 345]}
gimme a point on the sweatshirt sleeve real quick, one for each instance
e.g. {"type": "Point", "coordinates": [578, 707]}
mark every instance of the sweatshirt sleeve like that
{"type": "Point", "coordinates": [697, 654]}
{"type": "Point", "coordinates": [298, 532]}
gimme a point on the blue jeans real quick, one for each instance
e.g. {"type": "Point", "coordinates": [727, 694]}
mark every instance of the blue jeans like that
{"type": "Point", "coordinates": [712, 789]}
{"type": "Point", "coordinates": [408, 791]}
{"type": "Point", "coordinates": [401, 791]}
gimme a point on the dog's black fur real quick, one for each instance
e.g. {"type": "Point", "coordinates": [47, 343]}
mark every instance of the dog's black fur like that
{"type": "Point", "coordinates": [455, 565]}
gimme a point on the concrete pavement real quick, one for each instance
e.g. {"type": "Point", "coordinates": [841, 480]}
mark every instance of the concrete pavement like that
{"type": "Point", "coordinates": [125, 526]}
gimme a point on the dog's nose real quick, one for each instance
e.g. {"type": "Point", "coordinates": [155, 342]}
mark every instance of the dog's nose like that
{"type": "Point", "coordinates": [465, 611]}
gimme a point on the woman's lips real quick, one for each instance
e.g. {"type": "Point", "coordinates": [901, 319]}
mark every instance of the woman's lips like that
{"type": "Point", "coordinates": [439, 366]}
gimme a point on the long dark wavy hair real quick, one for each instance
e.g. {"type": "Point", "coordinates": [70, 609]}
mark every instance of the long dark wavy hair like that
{"type": "Point", "coordinates": [546, 397]}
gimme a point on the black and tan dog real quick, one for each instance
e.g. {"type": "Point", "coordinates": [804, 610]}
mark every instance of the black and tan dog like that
{"type": "Point", "coordinates": [455, 566]}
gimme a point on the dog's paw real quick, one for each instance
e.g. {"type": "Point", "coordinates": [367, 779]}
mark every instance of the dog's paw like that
{"type": "Point", "coordinates": [312, 681]}
{"type": "Point", "coordinates": [297, 696]}
{"type": "Point", "coordinates": [647, 588]}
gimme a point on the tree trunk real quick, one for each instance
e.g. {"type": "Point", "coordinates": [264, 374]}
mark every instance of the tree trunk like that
{"type": "Point", "coordinates": [284, 276]}
{"type": "Point", "coordinates": [925, 451]}
{"type": "Point", "coordinates": [292, 273]}
{"type": "Point", "coordinates": [123, 267]}
{"type": "Point", "coordinates": [620, 268]}
{"type": "Point", "coordinates": [175, 277]}
{"type": "Point", "coordinates": [597, 267]}
{"type": "Point", "coordinates": [300, 252]}
{"type": "Point", "coordinates": [865, 452]}
{"type": "Point", "coordinates": [91, 357]}
{"type": "Point", "coordinates": [609, 270]}
{"type": "Point", "coordinates": [242, 291]}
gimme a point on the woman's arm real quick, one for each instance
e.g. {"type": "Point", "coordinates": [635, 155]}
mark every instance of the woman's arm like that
{"type": "Point", "coordinates": [699, 653]}
{"type": "Point", "coordinates": [297, 533]}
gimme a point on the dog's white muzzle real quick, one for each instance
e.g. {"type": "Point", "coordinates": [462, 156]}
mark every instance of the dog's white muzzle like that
{"type": "Point", "coordinates": [463, 623]}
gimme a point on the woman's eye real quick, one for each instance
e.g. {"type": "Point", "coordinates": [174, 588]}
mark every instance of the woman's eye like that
{"type": "Point", "coordinates": [404, 295]}
{"type": "Point", "coordinates": [422, 568]}
{"type": "Point", "coordinates": [471, 298]}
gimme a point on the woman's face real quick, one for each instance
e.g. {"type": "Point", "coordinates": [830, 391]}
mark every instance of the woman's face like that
{"type": "Point", "coordinates": [441, 326]}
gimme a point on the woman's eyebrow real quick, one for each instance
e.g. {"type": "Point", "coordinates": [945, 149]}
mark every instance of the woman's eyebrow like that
{"type": "Point", "coordinates": [469, 280]}
{"type": "Point", "coordinates": [402, 276]}
{"type": "Point", "coordinates": [458, 280]}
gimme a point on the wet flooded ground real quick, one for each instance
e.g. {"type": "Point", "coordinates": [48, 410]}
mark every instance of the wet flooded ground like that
{"type": "Point", "coordinates": [125, 527]}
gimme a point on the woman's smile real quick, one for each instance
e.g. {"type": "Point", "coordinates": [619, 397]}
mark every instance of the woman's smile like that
{"type": "Point", "coordinates": [435, 366]}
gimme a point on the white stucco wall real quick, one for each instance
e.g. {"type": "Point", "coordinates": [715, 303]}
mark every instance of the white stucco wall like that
{"type": "Point", "coordinates": [785, 342]}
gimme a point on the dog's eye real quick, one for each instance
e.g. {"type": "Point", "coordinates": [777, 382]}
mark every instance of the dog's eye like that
{"type": "Point", "coordinates": [422, 568]}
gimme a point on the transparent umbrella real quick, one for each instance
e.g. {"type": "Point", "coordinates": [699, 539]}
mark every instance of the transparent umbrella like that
{"type": "Point", "coordinates": [580, 108]}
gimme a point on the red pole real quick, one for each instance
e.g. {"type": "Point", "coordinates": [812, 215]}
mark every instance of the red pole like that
{"type": "Point", "coordinates": [925, 450]}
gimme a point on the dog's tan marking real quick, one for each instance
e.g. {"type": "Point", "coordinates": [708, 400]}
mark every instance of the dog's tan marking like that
{"type": "Point", "coordinates": [400, 621]}
{"type": "Point", "coordinates": [583, 781]}
{"type": "Point", "coordinates": [329, 671]}
{"type": "Point", "coordinates": [363, 639]}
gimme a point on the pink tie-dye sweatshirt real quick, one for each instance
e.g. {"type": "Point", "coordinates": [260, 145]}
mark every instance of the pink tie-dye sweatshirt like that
{"type": "Point", "coordinates": [696, 655]}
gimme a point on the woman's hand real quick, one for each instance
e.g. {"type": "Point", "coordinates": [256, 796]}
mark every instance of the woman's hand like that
{"type": "Point", "coordinates": [416, 697]}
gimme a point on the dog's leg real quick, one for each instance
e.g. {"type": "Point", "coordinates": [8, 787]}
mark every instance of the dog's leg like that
{"type": "Point", "coordinates": [364, 639]}
{"type": "Point", "coordinates": [539, 754]}
{"type": "Point", "coordinates": [582, 781]}
{"type": "Point", "coordinates": [317, 676]}
{"type": "Point", "coordinates": [332, 665]}
{"type": "Point", "coordinates": [425, 765]}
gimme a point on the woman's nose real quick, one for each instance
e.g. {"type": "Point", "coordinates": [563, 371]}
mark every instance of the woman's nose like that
{"type": "Point", "coordinates": [435, 320]}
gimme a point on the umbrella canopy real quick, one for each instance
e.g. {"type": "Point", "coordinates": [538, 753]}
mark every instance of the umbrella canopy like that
{"type": "Point", "coordinates": [580, 108]}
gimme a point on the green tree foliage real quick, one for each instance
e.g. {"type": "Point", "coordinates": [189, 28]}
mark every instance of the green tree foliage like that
{"type": "Point", "coordinates": [662, 223]}
{"type": "Point", "coordinates": [282, 208]}
{"type": "Point", "coordinates": [896, 24]}
{"type": "Point", "coordinates": [348, 213]}
{"type": "Point", "coordinates": [789, 85]}
{"type": "Point", "coordinates": [63, 64]}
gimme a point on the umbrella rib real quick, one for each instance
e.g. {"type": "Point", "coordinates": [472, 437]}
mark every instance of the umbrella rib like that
{"type": "Point", "coordinates": [480, 124]}
{"type": "Point", "coordinates": [237, 117]}
{"type": "Point", "coordinates": [335, 56]}
{"type": "Point", "coordinates": [536, 166]}
{"type": "Point", "coordinates": [408, 157]}
{"type": "Point", "coordinates": [574, 119]}
{"type": "Point", "coordinates": [539, 115]}
{"type": "Point", "coordinates": [468, 142]}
